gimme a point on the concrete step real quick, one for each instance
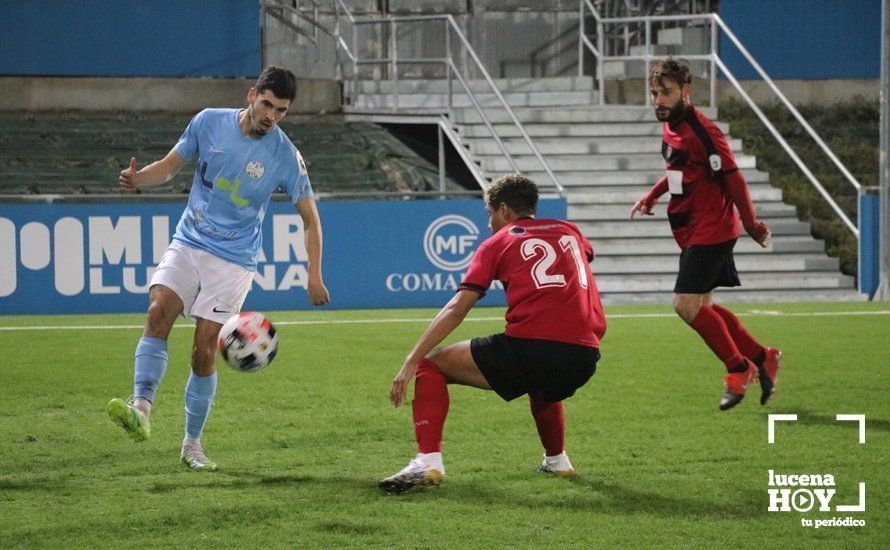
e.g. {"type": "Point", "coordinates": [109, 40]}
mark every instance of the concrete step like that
{"type": "Point", "coordinates": [741, 295]}
{"type": "Point", "coordinates": [440, 86]}
{"type": "Point", "coordinates": [649, 227]}
{"type": "Point", "coordinates": [635, 129]}
{"type": "Point", "coordinates": [793, 280]}
{"type": "Point", "coordinates": [797, 244]}
{"type": "Point", "coordinates": [628, 196]}
{"type": "Point", "coordinates": [566, 115]}
{"type": "Point", "coordinates": [627, 177]}
{"type": "Point", "coordinates": [440, 101]}
{"type": "Point", "coordinates": [577, 146]}
{"type": "Point", "coordinates": [746, 263]}
{"type": "Point", "coordinates": [588, 163]}
{"type": "Point", "coordinates": [621, 212]}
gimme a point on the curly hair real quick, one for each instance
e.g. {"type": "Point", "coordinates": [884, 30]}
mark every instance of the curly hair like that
{"type": "Point", "coordinates": [516, 191]}
{"type": "Point", "coordinates": [672, 69]}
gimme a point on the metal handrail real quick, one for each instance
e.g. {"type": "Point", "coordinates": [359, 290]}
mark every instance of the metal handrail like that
{"type": "Point", "coordinates": [787, 103]}
{"type": "Point", "coordinates": [451, 68]}
{"type": "Point", "coordinates": [268, 6]}
{"type": "Point", "coordinates": [803, 167]}
{"type": "Point", "coordinates": [448, 131]}
{"type": "Point", "coordinates": [503, 101]}
{"type": "Point", "coordinates": [716, 23]}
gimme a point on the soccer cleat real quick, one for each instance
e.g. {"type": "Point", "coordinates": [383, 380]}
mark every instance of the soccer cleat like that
{"type": "Point", "coordinates": [415, 473]}
{"type": "Point", "coordinates": [131, 419]}
{"type": "Point", "coordinates": [557, 465]}
{"type": "Point", "coordinates": [736, 384]}
{"type": "Point", "coordinates": [768, 374]}
{"type": "Point", "coordinates": [193, 456]}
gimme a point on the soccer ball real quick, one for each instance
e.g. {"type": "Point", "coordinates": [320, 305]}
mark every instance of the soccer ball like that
{"type": "Point", "coordinates": [248, 341]}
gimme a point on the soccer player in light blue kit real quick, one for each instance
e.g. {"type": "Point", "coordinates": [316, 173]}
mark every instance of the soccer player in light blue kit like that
{"type": "Point", "coordinates": [206, 272]}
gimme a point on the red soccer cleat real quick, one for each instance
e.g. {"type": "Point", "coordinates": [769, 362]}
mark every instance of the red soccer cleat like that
{"type": "Point", "coordinates": [736, 384]}
{"type": "Point", "coordinates": [768, 373]}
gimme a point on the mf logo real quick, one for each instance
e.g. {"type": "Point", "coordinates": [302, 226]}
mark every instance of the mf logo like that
{"type": "Point", "coordinates": [449, 242]}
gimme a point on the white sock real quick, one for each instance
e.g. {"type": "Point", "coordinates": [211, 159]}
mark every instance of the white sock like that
{"type": "Point", "coordinates": [558, 462]}
{"type": "Point", "coordinates": [143, 405]}
{"type": "Point", "coordinates": [190, 441]}
{"type": "Point", "coordinates": [433, 460]}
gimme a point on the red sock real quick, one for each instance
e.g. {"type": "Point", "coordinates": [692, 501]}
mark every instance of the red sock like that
{"type": "Point", "coordinates": [746, 343]}
{"type": "Point", "coordinates": [550, 422]}
{"type": "Point", "coordinates": [710, 326]}
{"type": "Point", "coordinates": [430, 406]}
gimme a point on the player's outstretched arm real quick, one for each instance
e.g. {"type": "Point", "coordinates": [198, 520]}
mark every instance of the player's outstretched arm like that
{"type": "Point", "coordinates": [318, 292]}
{"type": "Point", "coordinates": [646, 204]}
{"type": "Point", "coordinates": [156, 173]}
{"type": "Point", "coordinates": [448, 319]}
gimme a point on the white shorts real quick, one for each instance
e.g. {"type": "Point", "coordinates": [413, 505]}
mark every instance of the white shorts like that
{"type": "Point", "coordinates": [210, 288]}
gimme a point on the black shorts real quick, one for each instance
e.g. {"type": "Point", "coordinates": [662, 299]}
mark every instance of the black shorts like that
{"type": "Point", "coordinates": [704, 267]}
{"type": "Point", "coordinates": [515, 366]}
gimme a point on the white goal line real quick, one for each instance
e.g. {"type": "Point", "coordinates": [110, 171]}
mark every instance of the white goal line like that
{"type": "Point", "coordinates": [751, 313]}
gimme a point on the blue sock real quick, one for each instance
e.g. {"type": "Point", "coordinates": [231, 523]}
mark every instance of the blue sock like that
{"type": "Point", "coordinates": [199, 394]}
{"type": "Point", "coordinates": [151, 362]}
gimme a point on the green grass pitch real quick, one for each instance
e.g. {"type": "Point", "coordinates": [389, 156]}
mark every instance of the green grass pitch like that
{"type": "Point", "coordinates": [301, 444]}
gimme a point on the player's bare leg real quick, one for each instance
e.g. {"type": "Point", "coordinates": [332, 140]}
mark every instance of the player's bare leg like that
{"type": "Point", "coordinates": [133, 415]}
{"type": "Point", "coordinates": [199, 394]}
{"type": "Point", "coordinates": [451, 364]}
{"type": "Point", "coordinates": [696, 311]}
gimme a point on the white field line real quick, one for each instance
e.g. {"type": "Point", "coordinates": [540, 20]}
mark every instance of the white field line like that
{"type": "Point", "coordinates": [752, 313]}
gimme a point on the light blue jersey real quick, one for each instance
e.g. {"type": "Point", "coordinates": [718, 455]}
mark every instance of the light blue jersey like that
{"type": "Point", "coordinates": [234, 179]}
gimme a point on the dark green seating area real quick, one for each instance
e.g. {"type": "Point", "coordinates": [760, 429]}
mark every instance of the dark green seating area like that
{"type": "Point", "coordinates": [78, 153]}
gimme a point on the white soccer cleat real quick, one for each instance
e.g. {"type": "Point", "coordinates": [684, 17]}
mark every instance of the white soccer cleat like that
{"type": "Point", "coordinates": [415, 473]}
{"type": "Point", "coordinates": [193, 456]}
{"type": "Point", "coordinates": [558, 465]}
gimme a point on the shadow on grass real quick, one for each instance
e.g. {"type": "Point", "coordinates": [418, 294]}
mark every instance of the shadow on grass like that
{"type": "Point", "coordinates": [595, 496]}
{"type": "Point", "coordinates": [601, 497]}
{"type": "Point", "coordinates": [626, 499]}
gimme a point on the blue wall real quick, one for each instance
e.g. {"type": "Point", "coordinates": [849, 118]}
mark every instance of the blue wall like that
{"type": "Point", "coordinates": [167, 38]}
{"type": "Point", "coordinates": [99, 258]}
{"type": "Point", "coordinates": [804, 39]}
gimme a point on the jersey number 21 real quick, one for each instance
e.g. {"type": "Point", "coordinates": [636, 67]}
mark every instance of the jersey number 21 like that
{"type": "Point", "coordinates": [567, 243]}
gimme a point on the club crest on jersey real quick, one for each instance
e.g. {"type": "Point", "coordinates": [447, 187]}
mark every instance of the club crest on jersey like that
{"type": "Point", "coordinates": [255, 169]}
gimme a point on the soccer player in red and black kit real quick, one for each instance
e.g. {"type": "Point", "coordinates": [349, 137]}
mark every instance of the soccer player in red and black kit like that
{"type": "Point", "coordinates": [550, 346]}
{"type": "Point", "coordinates": [706, 188]}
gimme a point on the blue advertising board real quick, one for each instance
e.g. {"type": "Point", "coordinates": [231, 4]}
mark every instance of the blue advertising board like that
{"type": "Point", "coordinates": [99, 258]}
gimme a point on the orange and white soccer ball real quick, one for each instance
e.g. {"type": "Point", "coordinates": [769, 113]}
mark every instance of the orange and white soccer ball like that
{"type": "Point", "coordinates": [248, 341]}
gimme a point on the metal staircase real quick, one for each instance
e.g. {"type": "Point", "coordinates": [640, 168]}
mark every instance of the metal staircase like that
{"type": "Point", "coordinates": [602, 158]}
{"type": "Point", "coordinates": [606, 158]}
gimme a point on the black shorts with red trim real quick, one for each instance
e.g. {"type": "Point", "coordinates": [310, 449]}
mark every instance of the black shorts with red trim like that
{"type": "Point", "coordinates": [704, 267]}
{"type": "Point", "coordinates": [516, 366]}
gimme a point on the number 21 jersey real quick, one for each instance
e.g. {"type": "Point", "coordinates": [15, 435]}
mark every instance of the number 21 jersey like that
{"type": "Point", "coordinates": [544, 265]}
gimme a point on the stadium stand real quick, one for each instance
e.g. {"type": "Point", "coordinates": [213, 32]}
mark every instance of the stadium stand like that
{"type": "Point", "coordinates": [82, 153]}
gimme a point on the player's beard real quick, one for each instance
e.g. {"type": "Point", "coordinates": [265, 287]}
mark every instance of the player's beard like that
{"type": "Point", "coordinates": [673, 114]}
